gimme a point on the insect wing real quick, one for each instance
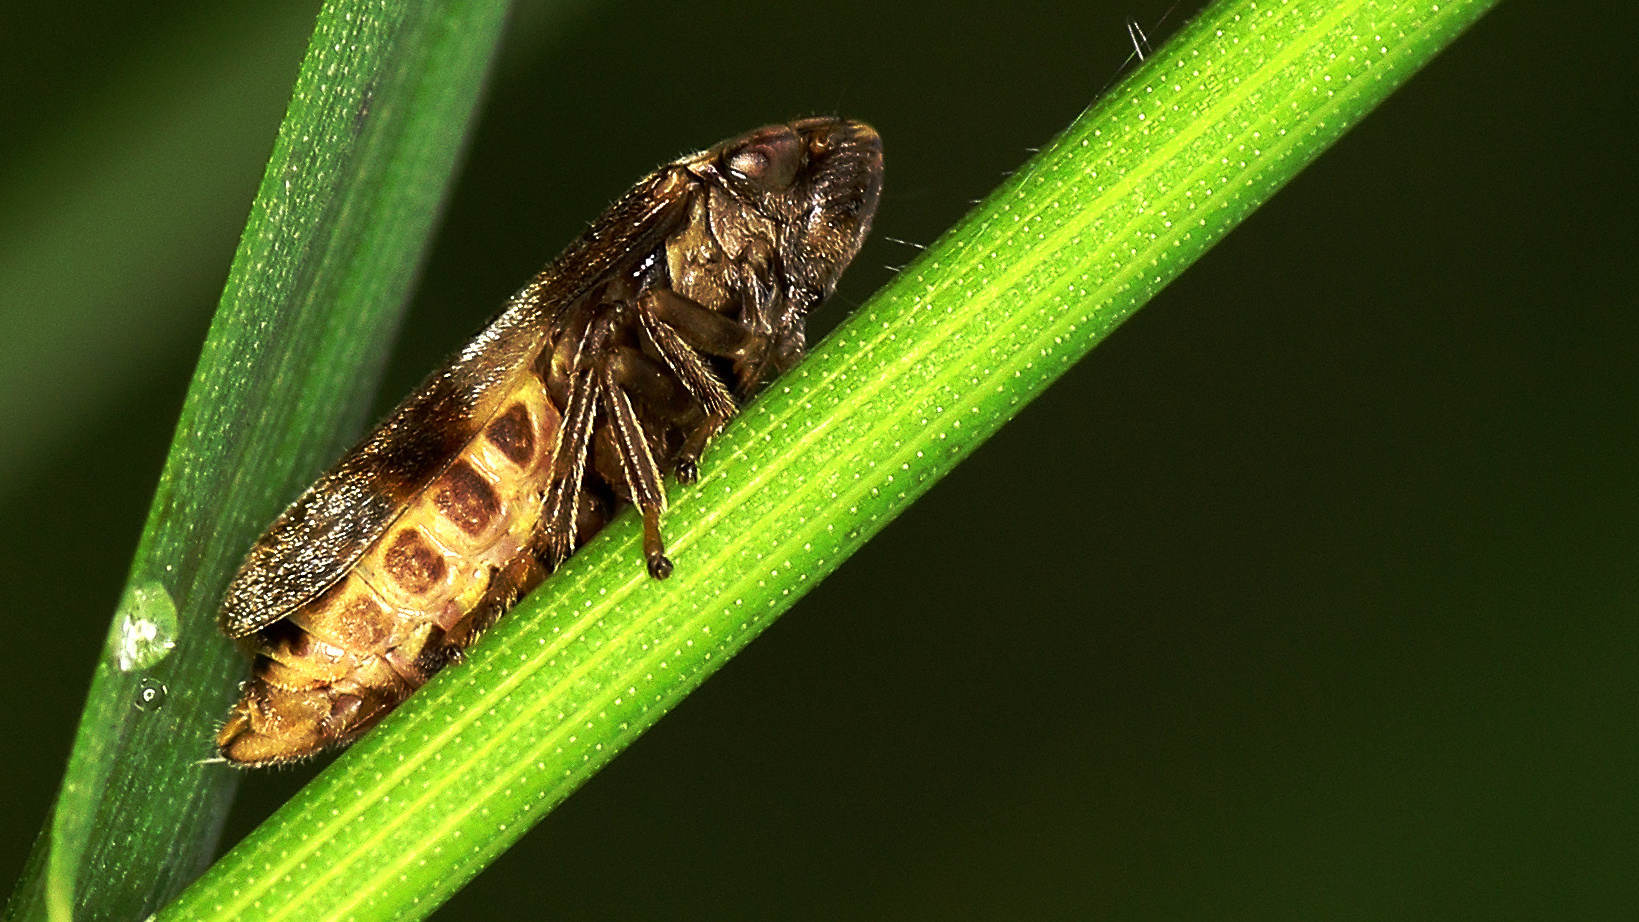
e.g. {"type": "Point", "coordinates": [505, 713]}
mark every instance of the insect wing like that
{"type": "Point", "coordinates": [331, 525]}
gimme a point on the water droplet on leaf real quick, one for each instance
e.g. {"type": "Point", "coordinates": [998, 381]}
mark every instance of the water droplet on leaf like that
{"type": "Point", "coordinates": [151, 696]}
{"type": "Point", "coordinates": [144, 627]}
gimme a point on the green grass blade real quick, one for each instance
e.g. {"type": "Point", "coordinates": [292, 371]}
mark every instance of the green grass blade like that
{"type": "Point", "coordinates": [380, 109]}
{"type": "Point", "coordinates": [1121, 203]}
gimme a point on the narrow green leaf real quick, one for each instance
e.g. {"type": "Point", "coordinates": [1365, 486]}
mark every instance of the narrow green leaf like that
{"type": "Point", "coordinates": [1128, 197]}
{"type": "Point", "coordinates": [335, 237]}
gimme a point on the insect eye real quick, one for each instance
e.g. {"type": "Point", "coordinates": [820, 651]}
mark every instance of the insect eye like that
{"type": "Point", "coordinates": [769, 161]}
{"type": "Point", "coordinates": [748, 164]}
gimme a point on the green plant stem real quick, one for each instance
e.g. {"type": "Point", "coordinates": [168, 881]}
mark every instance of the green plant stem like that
{"type": "Point", "coordinates": [1128, 197]}
{"type": "Point", "coordinates": [325, 266]}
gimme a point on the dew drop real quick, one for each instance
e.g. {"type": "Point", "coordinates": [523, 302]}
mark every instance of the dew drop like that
{"type": "Point", "coordinates": [145, 627]}
{"type": "Point", "coordinates": [150, 696]}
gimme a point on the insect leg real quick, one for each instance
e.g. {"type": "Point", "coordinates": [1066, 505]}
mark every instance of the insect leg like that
{"type": "Point", "coordinates": [642, 474]}
{"type": "Point", "coordinates": [652, 388]}
{"type": "Point", "coordinates": [746, 340]}
{"type": "Point", "coordinates": [562, 501]}
{"type": "Point", "coordinates": [685, 361]}
{"type": "Point", "coordinates": [703, 328]}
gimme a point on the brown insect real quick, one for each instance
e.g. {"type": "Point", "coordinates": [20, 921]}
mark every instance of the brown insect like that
{"type": "Point", "coordinates": [619, 362]}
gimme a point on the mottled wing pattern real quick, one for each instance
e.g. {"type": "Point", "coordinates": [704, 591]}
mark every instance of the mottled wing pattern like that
{"type": "Point", "coordinates": [333, 523]}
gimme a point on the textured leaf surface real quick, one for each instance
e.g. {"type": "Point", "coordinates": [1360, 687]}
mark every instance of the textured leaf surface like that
{"type": "Point", "coordinates": [1072, 245]}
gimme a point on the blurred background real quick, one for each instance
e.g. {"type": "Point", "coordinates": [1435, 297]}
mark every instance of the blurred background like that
{"type": "Point", "coordinates": [1310, 593]}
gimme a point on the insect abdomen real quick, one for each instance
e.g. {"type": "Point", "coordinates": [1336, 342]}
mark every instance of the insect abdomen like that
{"type": "Point", "coordinates": [458, 555]}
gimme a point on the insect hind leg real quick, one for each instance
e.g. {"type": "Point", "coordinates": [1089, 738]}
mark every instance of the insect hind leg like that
{"type": "Point", "coordinates": [562, 500]}
{"type": "Point", "coordinates": [641, 473]}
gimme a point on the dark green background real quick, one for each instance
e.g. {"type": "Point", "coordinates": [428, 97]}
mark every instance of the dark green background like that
{"type": "Point", "coordinates": [1310, 594]}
